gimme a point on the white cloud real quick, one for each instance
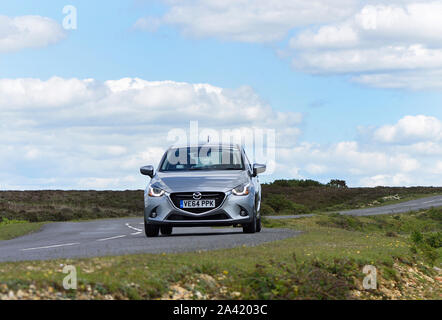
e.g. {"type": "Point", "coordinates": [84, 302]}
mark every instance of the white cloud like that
{"type": "Point", "coordinates": [400, 58]}
{"type": "Point", "coordinates": [411, 129]}
{"type": "Point", "coordinates": [438, 168]}
{"type": "Point", "coordinates": [348, 158]}
{"type": "Point", "coordinates": [379, 43]}
{"type": "Point", "coordinates": [84, 134]}
{"type": "Point", "coordinates": [413, 79]}
{"type": "Point", "coordinates": [379, 24]}
{"type": "Point", "coordinates": [315, 168]}
{"type": "Point", "coordinates": [404, 153]}
{"type": "Point", "coordinates": [136, 101]}
{"type": "Point", "coordinates": [246, 20]}
{"type": "Point", "coordinates": [423, 148]}
{"type": "Point", "coordinates": [394, 45]}
{"type": "Point", "coordinates": [28, 32]}
{"type": "Point", "coordinates": [397, 180]}
{"type": "Point", "coordinates": [362, 163]}
{"type": "Point", "coordinates": [78, 133]}
{"type": "Point", "coordinates": [106, 183]}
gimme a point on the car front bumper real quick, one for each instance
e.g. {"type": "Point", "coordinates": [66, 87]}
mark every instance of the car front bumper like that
{"type": "Point", "coordinates": [227, 214]}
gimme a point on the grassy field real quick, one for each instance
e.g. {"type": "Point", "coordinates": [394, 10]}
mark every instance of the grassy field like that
{"type": "Point", "coordinates": [41, 206]}
{"type": "Point", "coordinates": [324, 262]}
{"type": "Point", "coordinates": [280, 197]}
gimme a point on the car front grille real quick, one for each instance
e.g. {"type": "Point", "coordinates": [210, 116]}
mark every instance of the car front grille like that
{"type": "Point", "coordinates": [175, 217]}
{"type": "Point", "coordinates": [177, 197]}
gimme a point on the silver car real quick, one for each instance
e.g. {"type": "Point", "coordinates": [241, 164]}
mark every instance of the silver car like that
{"type": "Point", "coordinates": [204, 185]}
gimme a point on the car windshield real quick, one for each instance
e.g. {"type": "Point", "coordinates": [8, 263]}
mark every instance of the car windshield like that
{"type": "Point", "coordinates": [202, 158]}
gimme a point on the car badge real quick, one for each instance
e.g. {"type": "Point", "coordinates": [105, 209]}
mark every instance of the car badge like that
{"type": "Point", "coordinates": [197, 196]}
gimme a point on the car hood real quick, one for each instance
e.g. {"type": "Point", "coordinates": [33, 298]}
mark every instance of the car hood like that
{"type": "Point", "coordinates": [200, 180]}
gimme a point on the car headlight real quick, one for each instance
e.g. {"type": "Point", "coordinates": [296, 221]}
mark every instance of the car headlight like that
{"type": "Point", "coordinates": [242, 190]}
{"type": "Point", "coordinates": [156, 192]}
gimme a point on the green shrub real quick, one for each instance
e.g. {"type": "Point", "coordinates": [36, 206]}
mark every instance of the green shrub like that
{"type": "Point", "coordinates": [267, 210]}
{"type": "Point", "coordinates": [433, 214]}
{"type": "Point", "coordinates": [416, 237]}
{"type": "Point", "coordinates": [278, 202]}
{"type": "Point", "coordinates": [430, 254]}
{"type": "Point", "coordinates": [336, 183]}
{"type": "Point", "coordinates": [426, 246]}
{"type": "Point", "coordinates": [434, 240]}
{"type": "Point", "coordinates": [296, 183]}
{"type": "Point", "coordinates": [300, 280]}
{"type": "Point", "coordinates": [281, 205]}
{"type": "Point", "coordinates": [299, 209]}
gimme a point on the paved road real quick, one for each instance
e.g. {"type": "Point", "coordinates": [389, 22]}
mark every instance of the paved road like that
{"type": "Point", "coordinates": [413, 205]}
{"type": "Point", "coordinates": [125, 236]}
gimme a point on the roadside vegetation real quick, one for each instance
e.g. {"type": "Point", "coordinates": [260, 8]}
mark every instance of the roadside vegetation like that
{"type": "Point", "coordinates": [279, 198]}
{"type": "Point", "coordinates": [10, 229]}
{"type": "Point", "coordinates": [324, 261]}
{"type": "Point", "coordinates": [43, 206]}
{"type": "Point", "coordinates": [285, 197]}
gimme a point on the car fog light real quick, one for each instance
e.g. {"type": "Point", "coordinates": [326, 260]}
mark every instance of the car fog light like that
{"type": "Point", "coordinates": [153, 215]}
{"type": "Point", "coordinates": [243, 213]}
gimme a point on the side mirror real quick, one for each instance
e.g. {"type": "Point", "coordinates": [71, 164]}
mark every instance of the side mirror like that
{"type": "Point", "coordinates": [258, 169]}
{"type": "Point", "coordinates": [147, 171]}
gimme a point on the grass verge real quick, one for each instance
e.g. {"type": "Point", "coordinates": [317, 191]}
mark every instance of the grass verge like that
{"type": "Point", "coordinates": [10, 229]}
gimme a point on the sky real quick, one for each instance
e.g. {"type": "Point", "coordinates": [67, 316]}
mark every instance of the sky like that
{"type": "Point", "coordinates": [353, 89]}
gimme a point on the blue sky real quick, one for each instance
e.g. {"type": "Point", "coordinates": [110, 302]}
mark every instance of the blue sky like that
{"type": "Point", "coordinates": [345, 106]}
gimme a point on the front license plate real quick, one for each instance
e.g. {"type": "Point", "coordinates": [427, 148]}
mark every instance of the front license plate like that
{"type": "Point", "coordinates": [206, 203]}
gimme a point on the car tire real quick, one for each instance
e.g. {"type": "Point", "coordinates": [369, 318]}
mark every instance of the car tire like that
{"type": "Point", "coordinates": [151, 230]}
{"type": "Point", "coordinates": [258, 225]}
{"type": "Point", "coordinates": [166, 230]}
{"type": "Point", "coordinates": [250, 227]}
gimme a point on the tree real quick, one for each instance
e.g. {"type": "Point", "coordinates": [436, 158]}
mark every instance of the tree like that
{"type": "Point", "coordinates": [335, 183]}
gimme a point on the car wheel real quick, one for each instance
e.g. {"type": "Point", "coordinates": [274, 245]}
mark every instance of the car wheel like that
{"type": "Point", "coordinates": [258, 225]}
{"type": "Point", "coordinates": [151, 230]}
{"type": "Point", "coordinates": [250, 227]}
{"type": "Point", "coordinates": [166, 230]}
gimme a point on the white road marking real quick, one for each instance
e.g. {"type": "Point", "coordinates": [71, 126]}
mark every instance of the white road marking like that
{"type": "Point", "coordinates": [431, 201]}
{"type": "Point", "coordinates": [49, 247]}
{"type": "Point", "coordinates": [133, 228]}
{"type": "Point", "coordinates": [135, 233]}
{"type": "Point", "coordinates": [112, 238]}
